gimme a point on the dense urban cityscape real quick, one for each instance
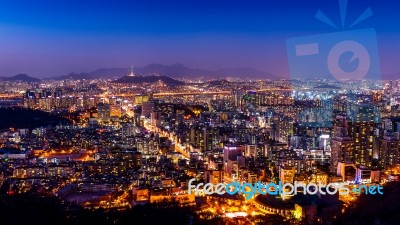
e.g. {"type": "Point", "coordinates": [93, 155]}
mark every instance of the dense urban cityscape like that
{"type": "Point", "coordinates": [199, 112]}
{"type": "Point", "coordinates": [137, 140]}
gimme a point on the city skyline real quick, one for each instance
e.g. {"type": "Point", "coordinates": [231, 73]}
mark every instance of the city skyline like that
{"type": "Point", "coordinates": [53, 39]}
{"type": "Point", "coordinates": [199, 112]}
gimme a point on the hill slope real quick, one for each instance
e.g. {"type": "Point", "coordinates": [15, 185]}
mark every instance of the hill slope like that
{"type": "Point", "coordinates": [21, 77]}
{"type": "Point", "coordinates": [173, 71]}
{"type": "Point", "coordinates": [148, 79]}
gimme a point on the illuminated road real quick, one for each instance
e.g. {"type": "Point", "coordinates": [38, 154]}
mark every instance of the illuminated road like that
{"type": "Point", "coordinates": [10, 96]}
{"type": "Point", "coordinates": [212, 93]}
{"type": "Point", "coordinates": [163, 94]}
{"type": "Point", "coordinates": [178, 148]}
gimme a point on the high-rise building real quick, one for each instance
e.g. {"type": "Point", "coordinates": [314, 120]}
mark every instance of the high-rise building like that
{"type": "Point", "coordinates": [363, 122]}
{"type": "Point", "coordinates": [155, 118]}
{"type": "Point", "coordinates": [197, 137]}
{"type": "Point", "coordinates": [210, 138]}
{"type": "Point", "coordinates": [115, 111]}
{"type": "Point", "coordinates": [146, 145]}
{"type": "Point", "coordinates": [238, 97]}
{"type": "Point", "coordinates": [284, 129]}
{"type": "Point", "coordinates": [103, 113]}
{"type": "Point", "coordinates": [30, 100]}
{"type": "Point", "coordinates": [140, 99]}
{"type": "Point", "coordinates": [342, 145]}
{"type": "Point", "coordinates": [214, 176]}
{"type": "Point", "coordinates": [286, 174]}
{"type": "Point", "coordinates": [46, 104]}
{"type": "Point", "coordinates": [389, 151]}
{"type": "Point", "coordinates": [147, 108]}
{"type": "Point", "coordinates": [250, 151]}
{"type": "Point", "coordinates": [127, 129]}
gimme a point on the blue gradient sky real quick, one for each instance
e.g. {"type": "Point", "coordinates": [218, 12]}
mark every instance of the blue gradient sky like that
{"type": "Point", "coordinates": [49, 38]}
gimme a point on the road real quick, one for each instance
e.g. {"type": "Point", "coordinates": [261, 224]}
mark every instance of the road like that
{"type": "Point", "coordinates": [178, 148]}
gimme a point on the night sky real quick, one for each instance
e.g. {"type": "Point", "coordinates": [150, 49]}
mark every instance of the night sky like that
{"type": "Point", "coordinates": [51, 38]}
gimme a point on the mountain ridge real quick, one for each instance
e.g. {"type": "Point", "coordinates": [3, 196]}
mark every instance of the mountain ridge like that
{"type": "Point", "coordinates": [21, 77]}
{"type": "Point", "coordinates": [148, 79]}
{"type": "Point", "coordinates": [174, 71]}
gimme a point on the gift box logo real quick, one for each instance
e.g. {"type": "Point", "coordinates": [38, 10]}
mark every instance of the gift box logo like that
{"type": "Point", "coordinates": [348, 55]}
{"type": "Point", "coordinates": [340, 56]}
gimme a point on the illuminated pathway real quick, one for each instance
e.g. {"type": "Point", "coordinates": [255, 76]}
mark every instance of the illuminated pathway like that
{"type": "Point", "coordinates": [178, 148]}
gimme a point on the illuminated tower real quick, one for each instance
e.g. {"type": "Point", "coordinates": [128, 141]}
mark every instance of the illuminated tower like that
{"type": "Point", "coordinates": [131, 74]}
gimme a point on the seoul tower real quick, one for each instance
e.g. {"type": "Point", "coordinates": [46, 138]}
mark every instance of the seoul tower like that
{"type": "Point", "coordinates": [131, 74]}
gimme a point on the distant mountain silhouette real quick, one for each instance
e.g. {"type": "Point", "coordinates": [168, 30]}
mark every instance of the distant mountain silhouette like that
{"type": "Point", "coordinates": [21, 77]}
{"type": "Point", "coordinates": [174, 71]}
{"type": "Point", "coordinates": [148, 79]}
{"type": "Point", "coordinates": [327, 86]}
{"type": "Point", "coordinates": [218, 82]}
{"type": "Point", "coordinates": [77, 76]}
{"type": "Point", "coordinates": [246, 73]}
